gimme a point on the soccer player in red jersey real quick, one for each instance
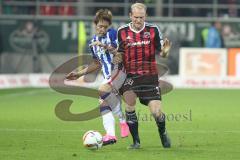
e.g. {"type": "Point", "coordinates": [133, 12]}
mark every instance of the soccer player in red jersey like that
{"type": "Point", "coordinates": [139, 42]}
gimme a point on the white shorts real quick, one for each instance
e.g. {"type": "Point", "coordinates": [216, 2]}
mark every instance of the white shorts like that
{"type": "Point", "coordinates": [117, 79]}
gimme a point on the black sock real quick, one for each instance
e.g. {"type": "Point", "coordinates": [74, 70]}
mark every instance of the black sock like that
{"type": "Point", "coordinates": [132, 122]}
{"type": "Point", "coordinates": [160, 121]}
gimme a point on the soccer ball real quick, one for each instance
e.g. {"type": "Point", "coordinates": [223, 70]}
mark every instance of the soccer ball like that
{"type": "Point", "coordinates": [92, 140]}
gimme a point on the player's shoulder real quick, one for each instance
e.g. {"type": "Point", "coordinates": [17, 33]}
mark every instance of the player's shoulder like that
{"type": "Point", "coordinates": [112, 33]}
{"type": "Point", "coordinates": [151, 25]}
{"type": "Point", "coordinates": [154, 26]}
{"type": "Point", "coordinates": [123, 27]}
{"type": "Point", "coordinates": [111, 30]}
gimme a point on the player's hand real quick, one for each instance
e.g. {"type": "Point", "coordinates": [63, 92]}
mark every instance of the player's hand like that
{"type": "Point", "coordinates": [97, 43]}
{"type": "Point", "coordinates": [166, 48]}
{"type": "Point", "coordinates": [106, 47]}
{"type": "Point", "coordinates": [72, 76]}
{"type": "Point", "coordinates": [111, 49]}
{"type": "Point", "coordinates": [117, 58]}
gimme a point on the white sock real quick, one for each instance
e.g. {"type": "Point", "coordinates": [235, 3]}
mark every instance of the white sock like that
{"type": "Point", "coordinates": [109, 123]}
{"type": "Point", "coordinates": [114, 102]}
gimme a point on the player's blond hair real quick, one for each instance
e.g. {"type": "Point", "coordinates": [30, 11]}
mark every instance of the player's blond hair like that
{"type": "Point", "coordinates": [138, 6]}
{"type": "Point", "coordinates": [103, 14]}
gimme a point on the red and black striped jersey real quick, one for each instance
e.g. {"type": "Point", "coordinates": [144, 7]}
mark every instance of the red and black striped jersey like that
{"type": "Point", "coordinates": [139, 48]}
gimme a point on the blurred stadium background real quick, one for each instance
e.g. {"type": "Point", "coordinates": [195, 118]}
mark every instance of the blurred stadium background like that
{"type": "Point", "coordinates": [36, 36]}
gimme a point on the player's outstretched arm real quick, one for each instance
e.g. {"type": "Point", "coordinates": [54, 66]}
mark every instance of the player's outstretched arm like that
{"type": "Point", "coordinates": [95, 65]}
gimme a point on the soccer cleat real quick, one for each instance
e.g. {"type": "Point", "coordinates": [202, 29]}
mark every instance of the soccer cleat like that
{"type": "Point", "coordinates": [166, 143]}
{"type": "Point", "coordinates": [107, 139]}
{"type": "Point", "coordinates": [134, 146]}
{"type": "Point", "coordinates": [124, 129]}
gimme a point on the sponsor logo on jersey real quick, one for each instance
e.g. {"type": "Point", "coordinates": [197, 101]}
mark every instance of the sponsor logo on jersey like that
{"type": "Point", "coordinates": [139, 43]}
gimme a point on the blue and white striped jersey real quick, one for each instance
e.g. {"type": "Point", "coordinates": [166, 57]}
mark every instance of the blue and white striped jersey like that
{"type": "Point", "coordinates": [104, 57]}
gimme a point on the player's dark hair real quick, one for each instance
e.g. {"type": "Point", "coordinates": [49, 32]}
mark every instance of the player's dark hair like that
{"type": "Point", "coordinates": [103, 14]}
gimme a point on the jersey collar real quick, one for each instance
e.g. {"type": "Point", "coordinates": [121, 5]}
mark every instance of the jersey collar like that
{"type": "Point", "coordinates": [130, 26]}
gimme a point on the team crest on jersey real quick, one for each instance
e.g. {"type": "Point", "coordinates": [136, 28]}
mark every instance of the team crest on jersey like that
{"type": "Point", "coordinates": [146, 35]}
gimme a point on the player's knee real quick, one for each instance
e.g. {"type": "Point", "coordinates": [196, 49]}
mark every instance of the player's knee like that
{"type": "Point", "coordinates": [102, 103]}
{"type": "Point", "coordinates": [130, 98]}
{"type": "Point", "coordinates": [156, 115]}
{"type": "Point", "coordinates": [104, 110]}
{"type": "Point", "coordinates": [105, 88]}
{"type": "Point", "coordinates": [156, 112]}
{"type": "Point", "coordinates": [130, 102]}
{"type": "Point", "coordinates": [155, 107]}
{"type": "Point", "coordinates": [130, 108]}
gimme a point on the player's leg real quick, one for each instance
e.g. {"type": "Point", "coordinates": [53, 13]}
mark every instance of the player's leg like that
{"type": "Point", "coordinates": [118, 77]}
{"type": "Point", "coordinates": [117, 110]}
{"type": "Point", "coordinates": [108, 120]}
{"type": "Point", "coordinates": [115, 103]}
{"type": "Point", "coordinates": [159, 116]}
{"type": "Point", "coordinates": [131, 116]}
{"type": "Point", "coordinates": [151, 96]}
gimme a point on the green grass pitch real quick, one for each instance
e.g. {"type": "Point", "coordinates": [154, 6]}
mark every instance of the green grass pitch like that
{"type": "Point", "coordinates": [203, 125]}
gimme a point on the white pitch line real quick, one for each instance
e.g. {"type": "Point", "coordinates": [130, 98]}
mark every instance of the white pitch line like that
{"type": "Point", "coordinates": [81, 130]}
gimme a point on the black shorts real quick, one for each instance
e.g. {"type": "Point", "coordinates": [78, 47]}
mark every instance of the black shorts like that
{"type": "Point", "coordinates": [146, 87]}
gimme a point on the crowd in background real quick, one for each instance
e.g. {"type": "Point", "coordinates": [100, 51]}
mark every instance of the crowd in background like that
{"type": "Point", "coordinates": [227, 8]}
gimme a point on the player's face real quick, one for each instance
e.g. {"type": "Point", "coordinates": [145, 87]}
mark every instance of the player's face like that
{"type": "Point", "coordinates": [138, 17]}
{"type": "Point", "coordinates": [102, 27]}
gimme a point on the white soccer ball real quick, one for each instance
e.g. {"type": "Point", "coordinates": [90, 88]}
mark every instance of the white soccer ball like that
{"type": "Point", "coordinates": [92, 140]}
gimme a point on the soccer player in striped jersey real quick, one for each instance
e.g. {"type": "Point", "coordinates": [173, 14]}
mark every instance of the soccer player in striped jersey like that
{"type": "Point", "coordinates": [103, 43]}
{"type": "Point", "coordinates": [139, 42]}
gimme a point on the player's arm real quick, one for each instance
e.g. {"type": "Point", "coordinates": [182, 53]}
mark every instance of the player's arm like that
{"type": "Point", "coordinates": [93, 66]}
{"type": "Point", "coordinates": [163, 46]}
{"type": "Point", "coordinates": [120, 49]}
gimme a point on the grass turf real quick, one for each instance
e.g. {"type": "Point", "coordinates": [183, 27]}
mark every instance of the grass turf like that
{"type": "Point", "coordinates": [203, 124]}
